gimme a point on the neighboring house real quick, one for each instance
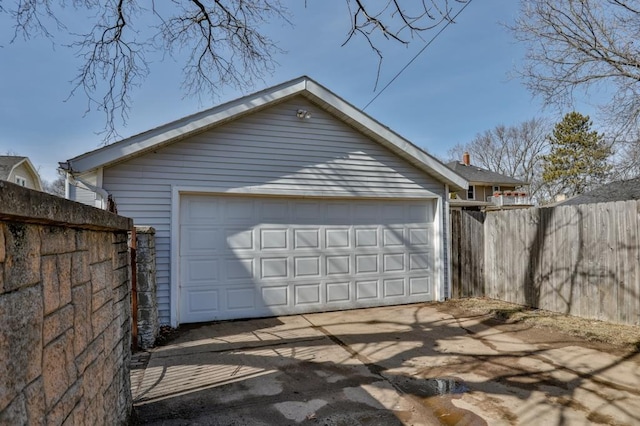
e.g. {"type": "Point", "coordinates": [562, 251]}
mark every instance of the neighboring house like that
{"type": "Point", "coordinates": [487, 189]}
{"type": "Point", "coordinates": [621, 190]}
{"type": "Point", "coordinates": [19, 170]}
{"type": "Point", "coordinates": [286, 201]}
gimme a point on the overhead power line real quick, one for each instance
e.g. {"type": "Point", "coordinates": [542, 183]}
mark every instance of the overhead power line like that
{"type": "Point", "coordinates": [418, 54]}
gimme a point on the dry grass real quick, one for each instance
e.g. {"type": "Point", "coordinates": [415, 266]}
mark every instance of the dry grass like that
{"type": "Point", "coordinates": [626, 336]}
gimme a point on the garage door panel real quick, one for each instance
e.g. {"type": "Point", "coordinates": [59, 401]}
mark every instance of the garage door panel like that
{"type": "Point", "coordinates": [241, 298]}
{"type": "Point", "coordinates": [393, 237]}
{"type": "Point", "coordinates": [274, 267]}
{"type": "Point", "coordinates": [337, 238]}
{"type": "Point", "coordinates": [276, 296]}
{"type": "Point", "coordinates": [394, 214]}
{"type": "Point", "coordinates": [307, 212]}
{"type": "Point", "coordinates": [338, 265]}
{"type": "Point", "coordinates": [239, 239]}
{"type": "Point", "coordinates": [201, 302]}
{"type": "Point", "coordinates": [306, 266]}
{"type": "Point", "coordinates": [419, 262]}
{"type": "Point", "coordinates": [338, 292]}
{"type": "Point", "coordinates": [421, 213]}
{"type": "Point", "coordinates": [306, 238]}
{"type": "Point", "coordinates": [238, 211]}
{"type": "Point", "coordinates": [366, 263]}
{"type": "Point", "coordinates": [201, 210]}
{"type": "Point", "coordinates": [420, 236]}
{"type": "Point", "coordinates": [366, 289]}
{"type": "Point", "coordinates": [199, 240]}
{"type": "Point", "coordinates": [239, 269]}
{"type": "Point", "coordinates": [275, 211]}
{"type": "Point", "coordinates": [419, 285]}
{"type": "Point", "coordinates": [394, 287]}
{"type": "Point", "coordinates": [201, 269]}
{"type": "Point", "coordinates": [307, 294]}
{"type": "Point", "coordinates": [393, 262]}
{"type": "Point", "coordinates": [366, 237]}
{"type": "Point", "coordinates": [286, 256]}
{"type": "Point", "coordinates": [337, 212]}
{"type": "Point", "coordinates": [274, 239]}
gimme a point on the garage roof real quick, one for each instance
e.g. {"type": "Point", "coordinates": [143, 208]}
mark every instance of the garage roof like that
{"type": "Point", "coordinates": [213, 117]}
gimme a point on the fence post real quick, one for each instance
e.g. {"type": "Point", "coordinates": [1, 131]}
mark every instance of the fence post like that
{"type": "Point", "coordinates": [134, 290]}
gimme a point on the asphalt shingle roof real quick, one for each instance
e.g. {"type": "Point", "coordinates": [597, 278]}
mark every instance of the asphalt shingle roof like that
{"type": "Point", "coordinates": [7, 162]}
{"type": "Point", "coordinates": [621, 190]}
{"type": "Point", "coordinates": [475, 174]}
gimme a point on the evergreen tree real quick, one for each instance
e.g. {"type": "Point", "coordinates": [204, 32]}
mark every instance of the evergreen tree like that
{"type": "Point", "coordinates": [579, 156]}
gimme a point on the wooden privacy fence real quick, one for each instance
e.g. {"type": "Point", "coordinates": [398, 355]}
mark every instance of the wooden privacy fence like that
{"type": "Point", "coordinates": [467, 254]}
{"type": "Point", "coordinates": [580, 260]}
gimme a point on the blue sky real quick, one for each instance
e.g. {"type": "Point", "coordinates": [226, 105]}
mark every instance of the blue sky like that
{"type": "Point", "coordinates": [458, 87]}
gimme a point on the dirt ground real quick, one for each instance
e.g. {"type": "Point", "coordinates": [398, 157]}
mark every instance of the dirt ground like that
{"type": "Point", "coordinates": [623, 337]}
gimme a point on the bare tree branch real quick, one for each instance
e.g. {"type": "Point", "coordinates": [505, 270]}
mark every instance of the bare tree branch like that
{"type": "Point", "coordinates": [585, 46]}
{"type": "Point", "coordinates": [114, 63]}
{"type": "Point", "coordinates": [220, 42]}
{"type": "Point", "coordinates": [374, 18]}
{"type": "Point", "coordinates": [30, 18]}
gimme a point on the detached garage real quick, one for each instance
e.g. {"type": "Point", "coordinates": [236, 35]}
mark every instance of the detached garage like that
{"type": "Point", "coordinates": [286, 201]}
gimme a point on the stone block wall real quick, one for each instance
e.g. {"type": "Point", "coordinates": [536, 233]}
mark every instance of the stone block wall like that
{"type": "Point", "coordinates": [148, 323]}
{"type": "Point", "coordinates": [65, 311]}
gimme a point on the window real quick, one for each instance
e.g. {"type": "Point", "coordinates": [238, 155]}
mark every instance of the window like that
{"type": "Point", "coordinates": [496, 189]}
{"type": "Point", "coordinates": [471, 193]}
{"type": "Point", "coordinates": [21, 181]}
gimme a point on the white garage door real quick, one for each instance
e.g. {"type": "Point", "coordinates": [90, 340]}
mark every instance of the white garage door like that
{"type": "Point", "coordinates": [244, 257]}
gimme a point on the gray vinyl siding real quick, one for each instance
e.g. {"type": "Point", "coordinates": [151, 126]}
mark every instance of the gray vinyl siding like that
{"type": "Point", "coordinates": [83, 195]}
{"type": "Point", "coordinates": [267, 150]}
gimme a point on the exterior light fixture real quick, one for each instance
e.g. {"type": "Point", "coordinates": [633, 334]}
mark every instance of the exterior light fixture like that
{"type": "Point", "coordinates": [303, 114]}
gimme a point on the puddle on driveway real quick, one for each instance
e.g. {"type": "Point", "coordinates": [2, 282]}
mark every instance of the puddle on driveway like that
{"type": "Point", "coordinates": [427, 388]}
{"type": "Point", "coordinates": [437, 394]}
{"type": "Point", "coordinates": [440, 387]}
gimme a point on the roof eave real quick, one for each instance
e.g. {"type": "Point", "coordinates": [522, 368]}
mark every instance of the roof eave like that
{"type": "Point", "coordinates": [388, 138]}
{"type": "Point", "coordinates": [179, 129]}
{"type": "Point", "coordinates": [171, 132]}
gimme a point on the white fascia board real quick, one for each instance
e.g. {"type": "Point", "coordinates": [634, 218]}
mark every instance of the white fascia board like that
{"type": "Point", "coordinates": [182, 127]}
{"type": "Point", "coordinates": [424, 160]}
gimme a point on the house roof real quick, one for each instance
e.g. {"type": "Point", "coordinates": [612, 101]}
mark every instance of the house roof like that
{"type": "Point", "coordinates": [478, 175]}
{"type": "Point", "coordinates": [621, 190]}
{"type": "Point", "coordinates": [9, 162]}
{"type": "Point", "coordinates": [210, 118]}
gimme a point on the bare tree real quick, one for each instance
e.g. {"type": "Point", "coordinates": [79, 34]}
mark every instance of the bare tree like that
{"type": "Point", "coordinates": [514, 151]}
{"type": "Point", "coordinates": [588, 47]}
{"type": "Point", "coordinates": [220, 42]}
{"type": "Point", "coordinates": [57, 187]}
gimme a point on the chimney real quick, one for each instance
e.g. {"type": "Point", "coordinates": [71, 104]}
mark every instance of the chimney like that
{"type": "Point", "coordinates": [466, 158]}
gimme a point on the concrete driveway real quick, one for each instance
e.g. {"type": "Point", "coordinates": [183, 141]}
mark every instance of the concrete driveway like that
{"type": "Point", "coordinates": [401, 365]}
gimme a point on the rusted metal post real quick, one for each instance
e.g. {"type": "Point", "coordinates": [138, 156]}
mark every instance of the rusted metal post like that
{"type": "Point", "coordinates": [134, 292]}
